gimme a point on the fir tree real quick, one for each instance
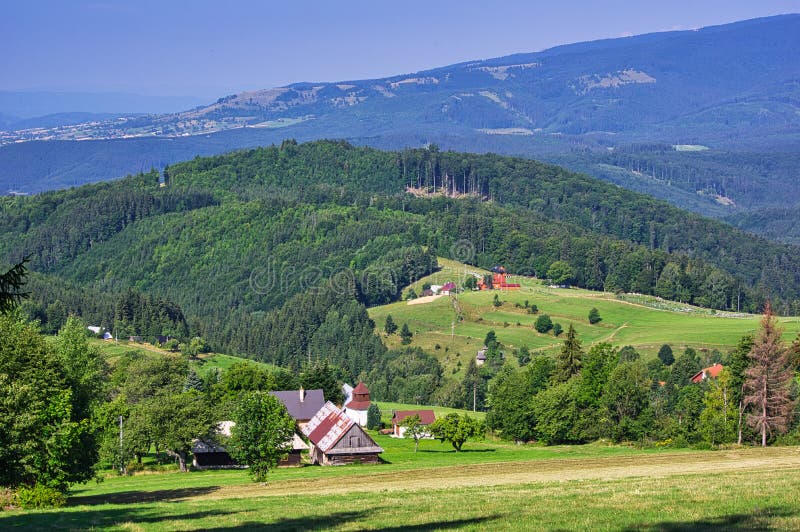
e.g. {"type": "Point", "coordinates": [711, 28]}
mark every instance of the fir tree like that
{"type": "Point", "coordinates": [569, 360]}
{"type": "Point", "coordinates": [665, 355]}
{"type": "Point", "coordinates": [768, 380]}
{"type": "Point", "coordinates": [406, 334]}
{"type": "Point", "coordinates": [391, 327]}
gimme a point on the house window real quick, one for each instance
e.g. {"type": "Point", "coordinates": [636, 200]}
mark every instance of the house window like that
{"type": "Point", "coordinates": [355, 441]}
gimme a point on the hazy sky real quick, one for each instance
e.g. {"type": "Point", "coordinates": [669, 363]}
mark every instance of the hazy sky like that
{"type": "Point", "coordinates": [208, 49]}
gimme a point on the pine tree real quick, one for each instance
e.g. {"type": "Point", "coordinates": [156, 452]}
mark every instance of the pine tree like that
{"type": "Point", "coordinates": [768, 380]}
{"type": "Point", "coordinates": [569, 360]}
{"type": "Point", "coordinates": [406, 334]}
{"type": "Point", "coordinates": [594, 316]}
{"type": "Point", "coordinates": [391, 327]}
{"type": "Point", "coordinates": [665, 355]}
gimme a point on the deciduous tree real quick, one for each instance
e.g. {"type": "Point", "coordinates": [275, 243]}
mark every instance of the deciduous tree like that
{"type": "Point", "coordinates": [262, 435]}
{"type": "Point", "coordinates": [456, 429]}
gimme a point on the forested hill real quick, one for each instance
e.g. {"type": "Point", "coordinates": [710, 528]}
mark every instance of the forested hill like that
{"type": "Point", "coordinates": [618, 109]}
{"type": "Point", "coordinates": [273, 251]}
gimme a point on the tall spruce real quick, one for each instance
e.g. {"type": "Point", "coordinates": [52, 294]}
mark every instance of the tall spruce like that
{"type": "Point", "coordinates": [569, 360]}
{"type": "Point", "coordinates": [768, 380]}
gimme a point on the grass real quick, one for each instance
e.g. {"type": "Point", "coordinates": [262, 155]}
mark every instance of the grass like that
{"type": "Point", "coordinates": [641, 321]}
{"type": "Point", "coordinates": [533, 488]}
{"type": "Point", "coordinates": [203, 363]}
{"type": "Point", "coordinates": [387, 408]}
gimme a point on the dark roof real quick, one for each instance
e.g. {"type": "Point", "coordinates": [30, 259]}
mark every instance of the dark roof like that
{"type": "Point", "coordinates": [303, 410]}
{"type": "Point", "coordinates": [426, 417]}
{"type": "Point", "coordinates": [481, 354]}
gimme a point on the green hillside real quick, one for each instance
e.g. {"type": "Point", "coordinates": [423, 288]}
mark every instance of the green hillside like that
{"type": "Point", "coordinates": [644, 322]}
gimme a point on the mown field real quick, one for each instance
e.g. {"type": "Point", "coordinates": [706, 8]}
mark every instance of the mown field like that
{"type": "Point", "coordinates": [489, 485]}
{"type": "Point", "coordinates": [644, 322]}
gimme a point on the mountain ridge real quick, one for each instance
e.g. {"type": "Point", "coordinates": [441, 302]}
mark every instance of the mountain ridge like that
{"type": "Point", "coordinates": [732, 88]}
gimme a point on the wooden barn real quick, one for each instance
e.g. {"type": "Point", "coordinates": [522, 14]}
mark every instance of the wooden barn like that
{"type": "Point", "coordinates": [336, 439]}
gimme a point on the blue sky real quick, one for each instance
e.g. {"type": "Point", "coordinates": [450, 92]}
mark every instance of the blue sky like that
{"type": "Point", "coordinates": [208, 49]}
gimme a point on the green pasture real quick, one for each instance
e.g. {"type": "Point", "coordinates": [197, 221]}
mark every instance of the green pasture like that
{"type": "Point", "coordinates": [495, 486]}
{"type": "Point", "coordinates": [458, 324]}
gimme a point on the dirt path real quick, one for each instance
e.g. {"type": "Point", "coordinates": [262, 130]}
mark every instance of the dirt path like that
{"type": "Point", "coordinates": [507, 473]}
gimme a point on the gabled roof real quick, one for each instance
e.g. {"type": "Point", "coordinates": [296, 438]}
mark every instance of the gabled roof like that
{"type": "Point", "coordinates": [360, 388]}
{"type": "Point", "coordinates": [711, 372]}
{"type": "Point", "coordinates": [327, 427]}
{"type": "Point", "coordinates": [426, 417]}
{"type": "Point", "coordinates": [301, 410]}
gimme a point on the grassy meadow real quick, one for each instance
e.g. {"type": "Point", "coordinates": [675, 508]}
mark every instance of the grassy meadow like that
{"type": "Point", "coordinates": [645, 322]}
{"type": "Point", "coordinates": [488, 485]}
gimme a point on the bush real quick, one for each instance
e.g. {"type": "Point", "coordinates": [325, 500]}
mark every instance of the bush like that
{"type": "Point", "coordinates": [6, 499]}
{"type": "Point", "coordinates": [39, 496]}
{"type": "Point", "coordinates": [557, 329]}
{"type": "Point", "coordinates": [543, 324]}
{"type": "Point", "coordinates": [594, 316]}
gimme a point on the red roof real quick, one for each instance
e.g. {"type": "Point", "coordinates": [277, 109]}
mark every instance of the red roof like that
{"type": "Point", "coordinates": [426, 417]}
{"type": "Point", "coordinates": [327, 427]}
{"type": "Point", "coordinates": [711, 372]}
{"type": "Point", "coordinates": [361, 388]}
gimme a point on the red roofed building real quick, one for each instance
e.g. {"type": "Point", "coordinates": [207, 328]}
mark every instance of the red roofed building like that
{"type": "Point", "coordinates": [711, 372]}
{"type": "Point", "coordinates": [336, 439]}
{"type": "Point", "coordinates": [357, 405]}
{"type": "Point", "coordinates": [426, 417]}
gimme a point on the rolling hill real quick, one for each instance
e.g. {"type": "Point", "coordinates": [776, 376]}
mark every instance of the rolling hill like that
{"type": "Point", "coordinates": [453, 328]}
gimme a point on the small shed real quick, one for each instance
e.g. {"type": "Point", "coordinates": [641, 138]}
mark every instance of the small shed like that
{"type": "Point", "coordinates": [337, 440]}
{"type": "Point", "coordinates": [480, 358]}
{"type": "Point", "coordinates": [426, 418]}
{"type": "Point", "coordinates": [358, 405]}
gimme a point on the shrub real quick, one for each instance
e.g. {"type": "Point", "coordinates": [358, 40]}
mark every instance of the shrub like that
{"type": "Point", "coordinates": [594, 316]}
{"type": "Point", "coordinates": [557, 329]}
{"type": "Point", "coordinates": [39, 496]}
{"type": "Point", "coordinates": [543, 323]}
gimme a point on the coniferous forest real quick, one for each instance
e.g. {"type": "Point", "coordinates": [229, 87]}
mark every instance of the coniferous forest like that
{"type": "Point", "coordinates": [267, 252]}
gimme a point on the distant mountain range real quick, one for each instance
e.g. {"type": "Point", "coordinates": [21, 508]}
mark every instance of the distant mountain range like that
{"type": "Point", "coordinates": [718, 94]}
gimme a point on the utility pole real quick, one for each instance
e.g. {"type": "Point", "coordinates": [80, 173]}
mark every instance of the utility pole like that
{"type": "Point", "coordinates": [121, 454]}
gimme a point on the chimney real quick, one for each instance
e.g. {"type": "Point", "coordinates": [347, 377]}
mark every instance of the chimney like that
{"type": "Point", "coordinates": [302, 394]}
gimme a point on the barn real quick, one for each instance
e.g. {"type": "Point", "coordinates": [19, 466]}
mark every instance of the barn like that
{"type": "Point", "coordinates": [337, 440]}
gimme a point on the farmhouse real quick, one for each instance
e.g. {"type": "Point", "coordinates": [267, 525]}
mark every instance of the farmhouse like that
{"type": "Point", "coordinates": [711, 372]}
{"type": "Point", "coordinates": [356, 406]}
{"type": "Point", "coordinates": [301, 404]}
{"type": "Point", "coordinates": [336, 439]}
{"type": "Point", "coordinates": [212, 455]}
{"type": "Point", "coordinates": [426, 418]}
